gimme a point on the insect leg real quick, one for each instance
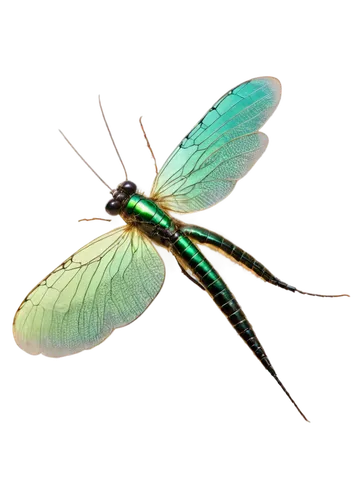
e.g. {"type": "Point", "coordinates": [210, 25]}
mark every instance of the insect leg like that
{"type": "Point", "coordinates": [93, 219]}
{"type": "Point", "coordinates": [189, 276]}
{"type": "Point", "coordinates": [148, 144]}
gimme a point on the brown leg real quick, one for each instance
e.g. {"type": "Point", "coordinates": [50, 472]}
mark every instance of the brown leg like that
{"type": "Point", "coordinates": [148, 144]}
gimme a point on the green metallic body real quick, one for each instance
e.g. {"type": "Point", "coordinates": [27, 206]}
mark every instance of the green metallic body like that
{"type": "Point", "coordinates": [112, 280]}
{"type": "Point", "coordinates": [202, 235]}
{"type": "Point", "coordinates": [149, 218]}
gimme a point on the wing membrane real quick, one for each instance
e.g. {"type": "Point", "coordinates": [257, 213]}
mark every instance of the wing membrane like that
{"type": "Point", "coordinates": [105, 285]}
{"type": "Point", "coordinates": [205, 159]}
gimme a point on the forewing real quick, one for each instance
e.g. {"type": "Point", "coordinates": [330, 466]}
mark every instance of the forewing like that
{"type": "Point", "coordinates": [105, 285]}
{"type": "Point", "coordinates": [220, 149]}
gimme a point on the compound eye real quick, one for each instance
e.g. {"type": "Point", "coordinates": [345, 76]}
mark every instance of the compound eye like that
{"type": "Point", "coordinates": [129, 187]}
{"type": "Point", "coordinates": [113, 207]}
{"type": "Point", "coordinates": [120, 195]}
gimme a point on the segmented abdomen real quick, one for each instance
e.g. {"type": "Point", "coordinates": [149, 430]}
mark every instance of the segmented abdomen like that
{"type": "Point", "coordinates": [207, 237]}
{"type": "Point", "coordinates": [230, 307]}
{"type": "Point", "coordinates": [190, 255]}
{"type": "Point", "coordinates": [149, 218]}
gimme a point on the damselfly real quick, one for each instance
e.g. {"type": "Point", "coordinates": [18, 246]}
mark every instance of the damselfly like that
{"type": "Point", "coordinates": [114, 278]}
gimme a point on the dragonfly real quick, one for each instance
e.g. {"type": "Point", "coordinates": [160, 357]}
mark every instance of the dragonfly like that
{"type": "Point", "coordinates": [111, 281]}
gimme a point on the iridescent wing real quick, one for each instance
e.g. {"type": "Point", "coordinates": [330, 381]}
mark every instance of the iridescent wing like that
{"type": "Point", "coordinates": [220, 149]}
{"type": "Point", "coordinates": [105, 285]}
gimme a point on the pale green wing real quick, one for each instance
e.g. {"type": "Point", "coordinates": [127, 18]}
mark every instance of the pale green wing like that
{"type": "Point", "coordinates": [105, 285]}
{"type": "Point", "coordinates": [220, 149]}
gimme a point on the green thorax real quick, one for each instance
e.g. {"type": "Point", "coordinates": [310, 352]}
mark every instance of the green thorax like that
{"type": "Point", "coordinates": [147, 211]}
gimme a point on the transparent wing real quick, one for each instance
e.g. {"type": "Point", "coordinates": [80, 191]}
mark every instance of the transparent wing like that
{"type": "Point", "coordinates": [105, 285]}
{"type": "Point", "coordinates": [220, 149]}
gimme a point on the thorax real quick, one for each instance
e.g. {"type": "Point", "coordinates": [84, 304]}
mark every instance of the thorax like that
{"type": "Point", "coordinates": [149, 218]}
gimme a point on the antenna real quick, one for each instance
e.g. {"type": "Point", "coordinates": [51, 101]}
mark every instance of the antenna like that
{"type": "Point", "coordinates": [150, 149]}
{"type": "Point", "coordinates": [112, 140]}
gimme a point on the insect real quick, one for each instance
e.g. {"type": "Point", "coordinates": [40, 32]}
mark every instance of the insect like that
{"type": "Point", "coordinates": [111, 281]}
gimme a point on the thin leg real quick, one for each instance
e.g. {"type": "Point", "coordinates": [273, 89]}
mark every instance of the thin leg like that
{"type": "Point", "coordinates": [190, 277]}
{"type": "Point", "coordinates": [93, 219]}
{"type": "Point", "coordinates": [148, 144]}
